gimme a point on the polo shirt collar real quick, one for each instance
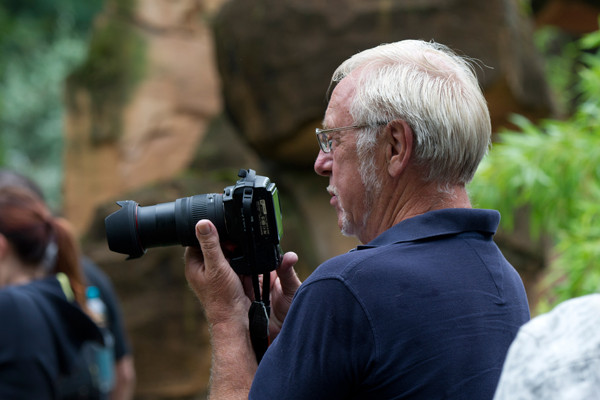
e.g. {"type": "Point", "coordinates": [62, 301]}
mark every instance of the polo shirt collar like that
{"type": "Point", "coordinates": [449, 221]}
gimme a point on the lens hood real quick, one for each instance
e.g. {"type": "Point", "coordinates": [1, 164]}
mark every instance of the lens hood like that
{"type": "Point", "coordinates": [121, 230]}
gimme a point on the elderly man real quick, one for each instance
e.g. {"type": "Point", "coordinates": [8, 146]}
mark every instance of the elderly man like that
{"type": "Point", "coordinates": [428, 306]}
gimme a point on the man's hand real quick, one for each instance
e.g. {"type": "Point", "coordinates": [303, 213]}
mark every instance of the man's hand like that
{"type": "Point", "coordinates": [226, 306]}
{"type": "Point", "coordinates": [284, 283]}
{"type": "Point", "coordinates": [216, 285]}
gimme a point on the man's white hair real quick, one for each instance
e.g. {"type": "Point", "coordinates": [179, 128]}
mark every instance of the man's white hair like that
{"type": "Point", "coordinates": [436, 92]}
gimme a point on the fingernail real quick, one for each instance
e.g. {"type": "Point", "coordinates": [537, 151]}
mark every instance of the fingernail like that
{"type": "Point", "coordinates": [204, 228]}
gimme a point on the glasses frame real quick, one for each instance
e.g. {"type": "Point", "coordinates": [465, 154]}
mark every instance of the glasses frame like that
{"type": "Point", "coordinates": [324, 139]}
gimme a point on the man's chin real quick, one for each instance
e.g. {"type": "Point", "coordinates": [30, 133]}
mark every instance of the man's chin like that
{"type": "Point", "coordinates": [345, 226]}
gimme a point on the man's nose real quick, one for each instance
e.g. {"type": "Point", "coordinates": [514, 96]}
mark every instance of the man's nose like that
{"type": "Point", "coordinates": [323, 163]}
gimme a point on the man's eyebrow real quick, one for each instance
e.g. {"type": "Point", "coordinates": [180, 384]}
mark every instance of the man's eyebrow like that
{"type": "Point", "coordinates": [325, 125]}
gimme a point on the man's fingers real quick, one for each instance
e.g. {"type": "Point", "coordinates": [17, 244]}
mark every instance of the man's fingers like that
{"type": "Point", "coordinates": [208, 238]}
{"type": "Point", "coordinates": [287, 275]}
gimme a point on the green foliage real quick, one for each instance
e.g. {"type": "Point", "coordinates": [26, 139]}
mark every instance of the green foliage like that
{"type": "Point", "coordinates": [31, 117]}
{"type": "Point", "coordinates": [553, 169]}
{"type": "Point", "coordinates": [561, 56]}
{"type": "Point", "coordinates": [40, 42]}
{"type": "Point", "coordinates": [113, 66]}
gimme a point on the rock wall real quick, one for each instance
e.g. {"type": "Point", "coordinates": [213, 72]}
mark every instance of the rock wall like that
{"type": "Point", "coordinates": [177, 95]}
{"type": "Point", "coordinates": [140, 104]}
{"type": "Point", "coordinates": [274, 84]}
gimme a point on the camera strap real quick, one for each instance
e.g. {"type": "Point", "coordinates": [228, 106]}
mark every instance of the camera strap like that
{"type": "Point", "coordinates": [258, 317]}
{"type": "Point", "coordinates": [260, 309]}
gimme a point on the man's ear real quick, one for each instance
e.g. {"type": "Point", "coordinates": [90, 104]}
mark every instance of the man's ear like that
{"type": "Point", "coordinates": [399, 146]}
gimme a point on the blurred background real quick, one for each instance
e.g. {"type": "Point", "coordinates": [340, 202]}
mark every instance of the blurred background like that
{"type": "Point", "coordinates": [152, 100]}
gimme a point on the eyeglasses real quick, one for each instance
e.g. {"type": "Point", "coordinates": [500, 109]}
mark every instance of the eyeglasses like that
{"type": "Point", "coordinates": [324, 138]}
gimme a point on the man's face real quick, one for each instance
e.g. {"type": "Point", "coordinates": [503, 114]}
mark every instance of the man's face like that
{"type": "Point", "coordinates": [341, 165]}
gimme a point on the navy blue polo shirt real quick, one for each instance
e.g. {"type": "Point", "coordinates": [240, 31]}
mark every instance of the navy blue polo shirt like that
{"type": "Point", "coordinates": [427, 310]}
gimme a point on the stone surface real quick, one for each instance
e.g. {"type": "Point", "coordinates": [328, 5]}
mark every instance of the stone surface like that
{"type": "Point", "coordinates": [274, 84]}
{"type": "Point", "coordinates": [155, 127]}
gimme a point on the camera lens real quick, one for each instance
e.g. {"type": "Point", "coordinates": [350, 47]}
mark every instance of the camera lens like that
{"type": "Point", "coordinates": [133, 229]}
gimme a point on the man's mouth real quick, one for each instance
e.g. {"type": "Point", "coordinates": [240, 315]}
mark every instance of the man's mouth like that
{"type": "Point", "coordinates": [333, 193]}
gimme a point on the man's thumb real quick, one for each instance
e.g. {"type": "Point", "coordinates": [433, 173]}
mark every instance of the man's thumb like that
{"type": "Point", "coordinates": [206, 234]}
{"type": "Point", "coordinates": [286, 273]}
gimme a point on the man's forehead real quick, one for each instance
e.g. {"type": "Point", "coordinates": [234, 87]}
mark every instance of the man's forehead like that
{"type": "Point", "coordinates": [341, 97]}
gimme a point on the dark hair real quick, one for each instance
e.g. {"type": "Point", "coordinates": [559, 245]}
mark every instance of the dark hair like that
{"type": "Point", "coordinates": [9, 178]}
{"type": "Point", "coordinates": [39, 239]}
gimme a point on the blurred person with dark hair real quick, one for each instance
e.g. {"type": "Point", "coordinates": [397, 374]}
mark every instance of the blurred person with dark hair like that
{"type": "Point", "coordinates": [80, 384]}
{"type": "Point", "coordinates": [42, 299]}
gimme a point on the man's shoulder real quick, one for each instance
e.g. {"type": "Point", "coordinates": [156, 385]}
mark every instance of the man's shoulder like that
{"type": "Point", "coordinates": [343, 264]}
{"type": "Point", "coordinates": [363, 268]}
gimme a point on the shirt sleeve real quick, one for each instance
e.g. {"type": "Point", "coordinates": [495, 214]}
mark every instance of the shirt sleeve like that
{"type": "Point", "coordinates": [324, 349]}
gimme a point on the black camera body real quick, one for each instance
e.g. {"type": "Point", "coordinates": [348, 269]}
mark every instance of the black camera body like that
{"type": "Point", "coordinates": [247, 216]}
